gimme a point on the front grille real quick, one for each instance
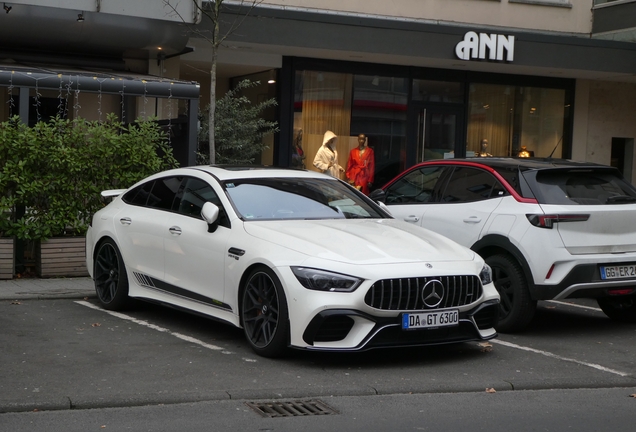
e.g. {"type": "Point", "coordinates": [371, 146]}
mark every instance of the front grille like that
{"type": "Point", "coordinates": [406, 294]}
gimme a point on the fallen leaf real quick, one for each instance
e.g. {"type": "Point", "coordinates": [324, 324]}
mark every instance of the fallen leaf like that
{"type": "Point", "coordinates": [633, 395]}
{"type": "Point", "coordinates": [550, 307]}
{"type": "Point", "coordinates": [491, 390]}
{"type": "Point", "coordinates": [96, 325]}
{"type": "Point", "coordinates": [103, 426]}
{"type": "Point", "coordinates": [485, 346]}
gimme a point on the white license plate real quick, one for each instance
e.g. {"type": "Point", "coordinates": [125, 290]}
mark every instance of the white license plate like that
{"type": "Point", "coordinates": [617, 272]}
{"type": "Point", "coordinates": [423, 320]}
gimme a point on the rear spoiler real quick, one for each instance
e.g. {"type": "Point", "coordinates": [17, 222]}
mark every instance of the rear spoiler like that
{"type": "Point", "coordinates": [110, 193]}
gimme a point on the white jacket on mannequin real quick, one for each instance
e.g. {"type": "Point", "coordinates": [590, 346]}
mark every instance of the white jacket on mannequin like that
{"type": "Point", "coordinates": [326, 159]}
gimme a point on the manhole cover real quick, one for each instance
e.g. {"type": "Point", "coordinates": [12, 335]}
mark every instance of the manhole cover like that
{"type": "Point", "coordinates": [292, 408]}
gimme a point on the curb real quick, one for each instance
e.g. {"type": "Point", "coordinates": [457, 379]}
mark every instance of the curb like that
{"type": "Point", "coordinates": [48, 296]}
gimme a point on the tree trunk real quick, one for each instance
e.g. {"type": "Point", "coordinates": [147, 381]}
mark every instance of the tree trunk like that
{"type": "Point", "coordinates": [212, 107]}
{"type": "Point", "coordinates": [216, 42]}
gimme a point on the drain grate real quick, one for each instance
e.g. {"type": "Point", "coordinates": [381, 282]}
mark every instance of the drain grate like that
{"type": "Point", "coordinates": [295, 408]}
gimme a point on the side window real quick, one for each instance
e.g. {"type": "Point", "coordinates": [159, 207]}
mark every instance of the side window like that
{"type": "Point", "coordinates": [471, 184]}
{"type": "Point", "coordinates": [163, 193]}
{"type": "Point", "coordinates": [194, 194]}
{"type": "Point", "coordinates": [418, 186]}
{"type": "Point", "coordinates": [139, 195]}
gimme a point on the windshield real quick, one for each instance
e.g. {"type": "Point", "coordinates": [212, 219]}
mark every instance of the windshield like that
{"type": "Point", "coordinates": [296, 198]}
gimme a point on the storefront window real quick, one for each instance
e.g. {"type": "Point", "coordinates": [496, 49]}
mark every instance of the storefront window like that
{"type": "Point", "coordinates": [349, 106]}
{"type": "Point", "coordinates": [515, 121]}
{"type": "Point", "coordinates": [437, 91]}
{"type": "Point", "coordinates": [379, 112]}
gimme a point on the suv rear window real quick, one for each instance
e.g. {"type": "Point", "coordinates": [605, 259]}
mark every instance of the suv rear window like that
{"type": "Point", "coordinates": [582, 187]}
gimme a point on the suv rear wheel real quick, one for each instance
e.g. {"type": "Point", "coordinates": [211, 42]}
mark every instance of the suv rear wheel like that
{"type": "Point", "coordinates": [619, 309]}
{"type": "Point", "coordinates": [516, 308]}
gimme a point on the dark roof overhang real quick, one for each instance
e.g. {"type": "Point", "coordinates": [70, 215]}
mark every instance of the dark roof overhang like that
{"type": "Point", "coordinates": [112, 82]}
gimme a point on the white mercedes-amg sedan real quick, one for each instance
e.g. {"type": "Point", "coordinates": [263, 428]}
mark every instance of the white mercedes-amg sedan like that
{"type": "Point", "coordinates": [295, 258]}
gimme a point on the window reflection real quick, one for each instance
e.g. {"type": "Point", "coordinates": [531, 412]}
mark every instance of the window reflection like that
{"type": "Point", "coordinates": [515, 121]}
{"type": "Point", "coordinates": [350, 106]}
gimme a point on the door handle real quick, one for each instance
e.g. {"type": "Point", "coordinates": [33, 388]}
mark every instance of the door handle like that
{"type": "Point", "coordinates": [125, 221]}
{"type": "Point", "coordinates": [175, 230]}
{"type": "Point", "coordinates": [472, 219]}
{"type": "Point", "coordinates": [412, 218]}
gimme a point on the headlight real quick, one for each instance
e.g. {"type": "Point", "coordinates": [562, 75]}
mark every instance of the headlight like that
{"type": "Point", "coordinates": [485, 275]}
{"type": "Point", "coordinates": [321, 280]}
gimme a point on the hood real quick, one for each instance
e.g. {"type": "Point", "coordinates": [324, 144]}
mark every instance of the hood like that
{"type": "Point", "coordinates": [360, 241]}
{"type": "Point", "coordinates": [328, 136]}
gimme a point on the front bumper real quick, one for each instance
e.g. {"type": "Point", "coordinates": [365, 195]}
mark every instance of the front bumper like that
{"type": "Point", "coordinates": [334, 330]}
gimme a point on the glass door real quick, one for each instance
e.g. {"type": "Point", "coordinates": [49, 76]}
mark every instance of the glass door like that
{"type": "Point", "coordinates": [439, 132]}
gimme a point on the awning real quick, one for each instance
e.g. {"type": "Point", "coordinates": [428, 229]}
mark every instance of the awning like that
{"type": "Point", "coordinates": [122, 83]}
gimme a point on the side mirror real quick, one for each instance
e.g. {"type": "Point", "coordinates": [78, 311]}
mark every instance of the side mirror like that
{"type": "Point", "coordinates": [378, 195]}
{"type": "Point", "coordinates": [210, 214]}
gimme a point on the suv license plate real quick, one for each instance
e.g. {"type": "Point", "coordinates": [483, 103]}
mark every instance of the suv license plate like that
{"type": "Point", "coordinates": [426, 320]}
{"type": "Point", "coordinates": [617, 272]}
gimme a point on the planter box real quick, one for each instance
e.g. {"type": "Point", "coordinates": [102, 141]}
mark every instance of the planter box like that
{"type": "Point", "coordinates": [62, 256]}
{"type": "Point", "coordinates": [7, 261]}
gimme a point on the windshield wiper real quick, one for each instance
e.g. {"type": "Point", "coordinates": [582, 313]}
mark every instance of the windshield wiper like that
{"type": "Point", "coordinates": [620, 199]}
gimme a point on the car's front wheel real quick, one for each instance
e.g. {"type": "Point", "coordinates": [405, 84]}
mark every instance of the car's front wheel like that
{"type": "Point", "coordinates": [516, 307]}
{"type": "Point", "coordinates": [111, 281]}
{"type": "Point", "coordinates": [619, 309]}
{"type": "Point", "coordinates": [264, 313]}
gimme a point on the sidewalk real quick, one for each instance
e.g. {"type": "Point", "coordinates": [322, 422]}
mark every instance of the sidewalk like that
{"type": "Point", "coordinates": [53, 288]}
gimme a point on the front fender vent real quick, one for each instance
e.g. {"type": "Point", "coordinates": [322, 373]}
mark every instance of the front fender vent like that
{"type": "Point", "coordinates": [298, 408]}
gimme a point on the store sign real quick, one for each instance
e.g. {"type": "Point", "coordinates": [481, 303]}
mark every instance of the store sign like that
{"type": "Point", "coordinates": [483, 45]}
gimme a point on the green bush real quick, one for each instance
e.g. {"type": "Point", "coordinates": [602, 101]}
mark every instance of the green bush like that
{"type": "Point", "coordinates": [56, 170]}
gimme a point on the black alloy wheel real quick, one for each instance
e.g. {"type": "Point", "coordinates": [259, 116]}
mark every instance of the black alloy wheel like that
{"type": "Point", "coordinates": [264, 313]}
{"type": "Point", "coordinates": [111, 281]}
{"type": "Point", "coordinates": [621, 309]}
{"type": "Point", "coordinates": [516, 308]}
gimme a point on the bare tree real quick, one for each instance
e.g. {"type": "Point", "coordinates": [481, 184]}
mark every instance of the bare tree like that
{"type": "Point", "coordinates": [212, 10]}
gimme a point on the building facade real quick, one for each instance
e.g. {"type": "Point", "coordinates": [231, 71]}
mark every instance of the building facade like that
{"type": "Point", "coordinates": [89, 58]}
{"type": "Point", "coordinates": [420, 79]}
{"type": "Point", "coordinates": [433, 79]}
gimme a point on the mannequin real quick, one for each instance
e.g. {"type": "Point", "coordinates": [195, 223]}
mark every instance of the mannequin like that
{"type": "Point", "coordinates": [298, 154]}
{"type": "Point", "coordinates": [326, 159]}
{"type": "Point", "coordinates": [483, 151]}
{"type": "Point", "coordinates": [361, 165]}
{"type": "Point", "coordinates": [523, 152]}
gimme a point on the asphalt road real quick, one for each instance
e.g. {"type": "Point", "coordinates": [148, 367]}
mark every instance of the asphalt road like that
{"type": "Point", "coordinates": [61, 358]}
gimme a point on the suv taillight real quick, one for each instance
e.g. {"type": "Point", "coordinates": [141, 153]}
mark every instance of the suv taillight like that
{"type": "Point", "coordinates": [547, 221]}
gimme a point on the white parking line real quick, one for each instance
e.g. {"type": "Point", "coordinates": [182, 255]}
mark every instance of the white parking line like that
{"type": "Point", "coordinates": [575, 305]}
{"type": "Point", "coordinates": [558, 357]}
{"type": "Point", "coordinates": [161, 329]}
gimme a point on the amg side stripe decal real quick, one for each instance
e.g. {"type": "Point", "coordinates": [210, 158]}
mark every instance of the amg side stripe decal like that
{"type": "Point", "coordinates": [158, 285]}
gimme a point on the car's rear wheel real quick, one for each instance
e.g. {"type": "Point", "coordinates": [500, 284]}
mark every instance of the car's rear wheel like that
{"type": "Point", "coordinates": [111, 281]}
{"type": "Point", "coordinates": [622, 309]}
{"type": "Point", "coordinates": [264, 313]}
{"type": "Point", "coordinates": [516, 307]}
